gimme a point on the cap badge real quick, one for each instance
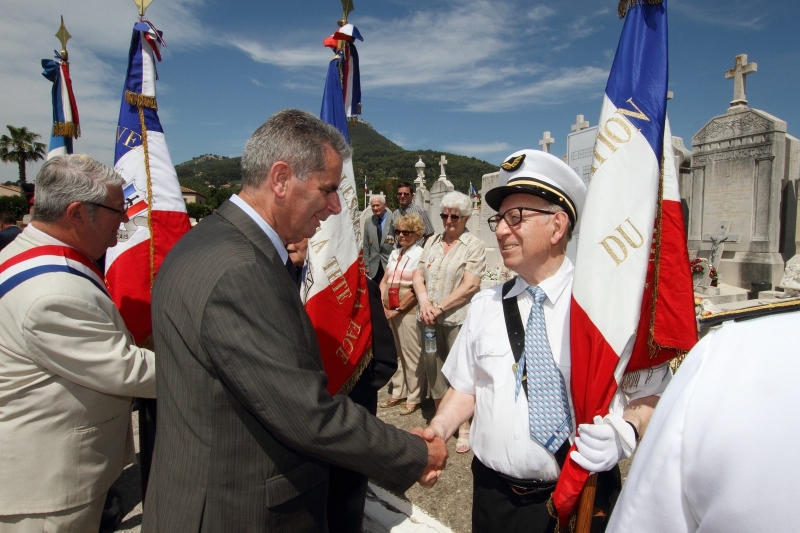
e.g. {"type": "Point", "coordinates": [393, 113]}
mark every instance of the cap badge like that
{"type": "Point", "coordinates": [513, 163]}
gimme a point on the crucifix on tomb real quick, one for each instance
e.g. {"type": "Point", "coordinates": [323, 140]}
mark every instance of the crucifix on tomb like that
{"type": "Point", "coordinates": [741, 69]}
{"type": "Point", "coordinates": [546, 142]}
{"type": "Point", "coordinates": [442, 163]}
{"type": "Point", "coordinates": [717, 241]}
{"type": "Point", "coordinates": [580, 124]}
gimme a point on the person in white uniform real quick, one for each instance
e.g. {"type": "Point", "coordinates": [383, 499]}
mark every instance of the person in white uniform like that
{"type": "Point", "coordinates": [721, 452]}
{"type": "Point", "coordinates": [514, 474]}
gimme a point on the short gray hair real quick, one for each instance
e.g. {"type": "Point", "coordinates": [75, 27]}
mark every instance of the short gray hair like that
{"type": "Point", "coordinates": [71, 178]}
{"type": "Point", "coordinates": [457, 200]}
{"type": "Point", "coordinates": [379, 197]}
{"type": "Point", "coordinates": [295, 137]}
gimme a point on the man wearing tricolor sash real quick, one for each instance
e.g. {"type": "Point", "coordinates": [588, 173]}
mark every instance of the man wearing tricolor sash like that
{"type": "Point", "coordinates": [510, 366]}
{"type": "Point", "coordinates": [68, 365]}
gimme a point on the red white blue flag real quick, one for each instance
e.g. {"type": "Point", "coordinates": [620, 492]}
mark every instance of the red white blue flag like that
{"type": "Point", "coordinates": [335, 292]}
{"type": "Point", "coordinates": [632, 305]}
{"type": "Point", "coordinates": [156, 207]}
{"type": "Point", "coordinates": [66, 123]}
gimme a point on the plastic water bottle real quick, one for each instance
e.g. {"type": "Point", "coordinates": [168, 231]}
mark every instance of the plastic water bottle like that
{"type": "Point", "coordinates": [430, 339]}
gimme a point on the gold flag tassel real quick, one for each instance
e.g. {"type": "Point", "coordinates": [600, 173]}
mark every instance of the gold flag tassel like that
{"type": "Point", "coordinates": [141, 100]}
{"type": "Point", "coordinates": [149, 187]}
{"type": "Point", "coordinates": [66, 129]}
{"type": "Point", "coordinates": [625, 5]}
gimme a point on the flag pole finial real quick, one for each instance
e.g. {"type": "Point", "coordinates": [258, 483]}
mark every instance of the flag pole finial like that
{"type": "Point", "coordinates": [142, 5]}
{"type": "Point", "coordinates": [63, 36]}
{"type": "Point", "coordinates": [347, 7]}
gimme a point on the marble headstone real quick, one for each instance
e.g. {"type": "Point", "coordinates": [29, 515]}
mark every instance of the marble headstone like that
{"type": "Point", "coordinates": [738, 168]}
{"type": "Point", "coordinates": [438, 190]}
{"type": "Point", "coordinates": [493, 257]}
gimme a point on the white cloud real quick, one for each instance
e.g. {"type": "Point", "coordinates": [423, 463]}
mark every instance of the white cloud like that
{"type": "Point", "coordinates": [98, 52]}
{"type": "Point", "coordinates": [733, 14]}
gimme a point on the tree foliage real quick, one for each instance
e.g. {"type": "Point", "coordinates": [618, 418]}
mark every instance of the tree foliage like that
{"type": "Point", "coordinates": [16, 205]}
{"type": "Point", "coordinates": [383, 162]}
{"type": "Point", "coordinates": [21, 147]}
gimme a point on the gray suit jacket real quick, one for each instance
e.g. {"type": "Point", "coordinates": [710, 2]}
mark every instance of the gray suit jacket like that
{"type": "Point", "coordinates": [377, 251]}
{"type": "Point", "coordinates": [246, 428]}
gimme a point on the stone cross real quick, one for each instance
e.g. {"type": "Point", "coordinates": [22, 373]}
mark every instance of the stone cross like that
{"type": "Point", "coordinates": [741, 69]}
{"type": "Point", "coordinates": [442, 163]}
{"type": "Point", "coordinates": [546, 142]}
{"type": "Point", "coordinates": [580, 124]}
{"type": "Point", "coordinates": [717, 240]}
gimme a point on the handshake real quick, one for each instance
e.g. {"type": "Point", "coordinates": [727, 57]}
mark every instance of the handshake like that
{"type": "Point", "coordinates": [437, 456]}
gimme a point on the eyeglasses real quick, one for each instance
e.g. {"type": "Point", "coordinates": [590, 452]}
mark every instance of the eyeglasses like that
{"type": "Point", "coordinates": [120, 212]}
{"type": "Point", "coordinates": [454, 218]}
{"type": "Point", "coordinates": [403, 232]}
{"type": "Point", "coordinates": [404, 194]}
{"type": "Point", "coordinates": [513, 216]}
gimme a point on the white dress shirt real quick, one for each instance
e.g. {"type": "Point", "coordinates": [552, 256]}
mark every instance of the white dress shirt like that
{"type": "Point", "coordinates": [480, 364]}
{"type": "Point", "coordinates": [276, 240]}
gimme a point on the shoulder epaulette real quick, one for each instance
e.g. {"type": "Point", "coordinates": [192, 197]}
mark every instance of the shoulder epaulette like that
{"type": "Point", "coordinates": [750, 312]}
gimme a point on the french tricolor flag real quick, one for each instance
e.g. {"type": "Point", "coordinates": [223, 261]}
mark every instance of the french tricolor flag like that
{"type": "Point", "coordinates": [66, 122]}
{"type": "Point", "coordinates": [336, 284]}
{"type": "Point", "coordinates": [156, 207]}
{"type": "Point", "coordinates": [632, 305]}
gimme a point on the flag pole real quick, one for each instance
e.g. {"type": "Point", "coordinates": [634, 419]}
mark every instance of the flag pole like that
{"type": "Point", "coordinates": [583, 523]}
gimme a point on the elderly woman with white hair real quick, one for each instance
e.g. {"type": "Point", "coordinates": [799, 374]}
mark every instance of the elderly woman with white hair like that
{"type": "Point", "coordinates": [447, 276]}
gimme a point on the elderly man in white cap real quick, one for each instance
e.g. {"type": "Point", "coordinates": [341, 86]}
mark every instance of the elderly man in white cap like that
{"type": "Point", "coordinates": [514, 378]}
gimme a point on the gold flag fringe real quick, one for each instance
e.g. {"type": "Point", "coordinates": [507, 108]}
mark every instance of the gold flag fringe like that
{"type": "Point", "coordinates": [362, 365]}
{"type": "Point", "coordinates": [141, 100]}
{"type": "Point", "coordinates": [653, 347]}
{"type": "Point", "coordinates": [625, 5]}
{"type": "Point", "coordinates": [66, 129]}
{"type": "Point", "coordinates": [573, 518]}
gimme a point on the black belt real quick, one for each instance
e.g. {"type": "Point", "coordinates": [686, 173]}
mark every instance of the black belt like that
{"type": "Point", "coordinates": [534, 487]}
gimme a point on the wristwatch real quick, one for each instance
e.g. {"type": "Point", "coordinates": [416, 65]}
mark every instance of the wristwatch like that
{"type": "Point", "coordinates": [437, 306]}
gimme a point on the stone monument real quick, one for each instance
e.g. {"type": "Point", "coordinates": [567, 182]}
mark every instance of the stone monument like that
{"type": "Point", "coordinates": [438, 190]}
{"type": "Point", "coordinates": [493, 257]}
{"type": "Point", "coordinates": [739, 168]}
{"type": "Point", "coordinates": [546, 142]}
{"type": "Point", "coordinates": [422, 197]}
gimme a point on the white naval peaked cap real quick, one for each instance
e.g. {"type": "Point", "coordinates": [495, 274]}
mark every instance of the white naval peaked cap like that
{"type": "Point", "coordinates": [540, 174]}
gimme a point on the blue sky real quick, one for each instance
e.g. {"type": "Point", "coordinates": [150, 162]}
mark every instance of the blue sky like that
{"type": "Point", "coordinates": [480, 78]}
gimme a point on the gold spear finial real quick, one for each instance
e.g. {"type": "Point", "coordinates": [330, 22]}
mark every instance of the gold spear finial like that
{"type": "Point", "coordinates": [63, 36]}
{"type": "Point", "coordinates": [347, 7]}
{"type": "Point", "coordinates": [142, 5]}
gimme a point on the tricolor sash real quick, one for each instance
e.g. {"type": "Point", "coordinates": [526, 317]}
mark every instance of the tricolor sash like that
{"type": "Point", "coordinates": [44, 260]}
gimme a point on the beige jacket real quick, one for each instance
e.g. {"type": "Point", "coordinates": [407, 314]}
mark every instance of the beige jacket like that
{"type": "Point", "coordinates": [68, 370]}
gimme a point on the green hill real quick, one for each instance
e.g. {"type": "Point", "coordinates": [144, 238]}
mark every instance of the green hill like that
{"type": "Point", "coordinates": [384, 163]}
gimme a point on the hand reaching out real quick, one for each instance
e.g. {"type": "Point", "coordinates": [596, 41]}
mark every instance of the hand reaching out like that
{"type": "Point", "coordinates": [437, 457]}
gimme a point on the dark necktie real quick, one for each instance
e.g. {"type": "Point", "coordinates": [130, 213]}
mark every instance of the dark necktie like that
{"type": "Point", "coordinates": [378, 227]}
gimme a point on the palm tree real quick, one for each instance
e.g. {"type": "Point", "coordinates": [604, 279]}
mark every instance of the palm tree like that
{"type": "Point", "coordinates": [20, 148]}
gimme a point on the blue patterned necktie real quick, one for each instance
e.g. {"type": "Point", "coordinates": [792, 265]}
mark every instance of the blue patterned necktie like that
{"type": "Point", "coordinates": [548, 410]}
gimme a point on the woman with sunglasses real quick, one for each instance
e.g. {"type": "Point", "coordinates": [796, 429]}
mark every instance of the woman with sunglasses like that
{"type": "Point", "coordinates": [398, 302]}
{"type": "Point", "coordinates": [447, 276]}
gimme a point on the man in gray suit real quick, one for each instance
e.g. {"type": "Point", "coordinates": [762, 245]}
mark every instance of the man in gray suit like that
{"type": "Point", "coordinates": [378, 238]}
{"type": "Point", "coordinates": [246, 428]}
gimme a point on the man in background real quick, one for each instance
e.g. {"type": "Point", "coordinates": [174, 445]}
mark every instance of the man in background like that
{"type": "Point", "coordinates": [68, 365]}
{"type": "Point", "coordinates": [378, 238]}
{"type": "Point", "coordinates": [405, 197]}
{"type": "Point", "coordinates": [8, 229]}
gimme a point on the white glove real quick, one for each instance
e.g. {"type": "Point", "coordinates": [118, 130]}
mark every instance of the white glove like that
{"type": "Point", "coordinates": [601, 445]}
